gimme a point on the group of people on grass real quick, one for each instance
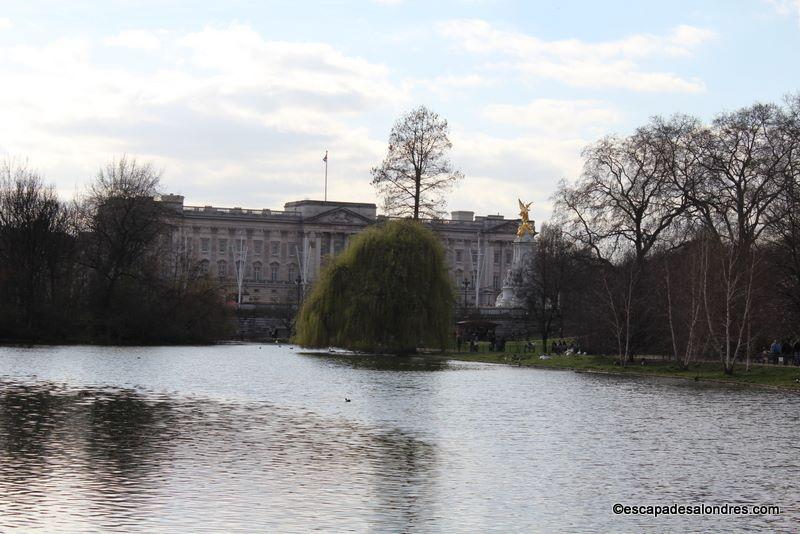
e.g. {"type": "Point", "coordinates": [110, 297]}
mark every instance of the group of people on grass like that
{"type": "Point", "coordinates": [556, 347]}
{"type": "Point", "coordinates": [497, 344]}
{"type": "Point", "coordinates": [562, 347]}
{"type": "Point", "coordinates": [783, 351]}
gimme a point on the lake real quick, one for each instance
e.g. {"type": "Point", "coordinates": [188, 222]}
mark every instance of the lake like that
{"type": "Point", "coordinates": [260, 438]}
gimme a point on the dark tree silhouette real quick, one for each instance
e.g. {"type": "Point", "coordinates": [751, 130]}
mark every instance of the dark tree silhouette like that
{"type": "Point", "coordinates": [135, 295]}
{"type": "Point", "coordinates": [627, 201]}
{"type": "Point", "coordinates": [697, 228]}
{"type": "Point", "coordinates": [34, 247]}
{"type": "Point", "coordinates": [122, 223]}
{"type": "Point", "coordinates": [746, 166]}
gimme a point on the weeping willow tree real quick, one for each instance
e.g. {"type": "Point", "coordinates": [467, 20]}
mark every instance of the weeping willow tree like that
{"type": "Point", "coordinates": [388, 292]}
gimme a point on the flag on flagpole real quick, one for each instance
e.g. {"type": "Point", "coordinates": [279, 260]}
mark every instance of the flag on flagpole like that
{"type": "Point", "coordinates": [325, 159]}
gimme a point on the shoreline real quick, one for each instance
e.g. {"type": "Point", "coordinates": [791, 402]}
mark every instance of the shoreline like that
{"type": "Point", "coordinates": [772, 377]}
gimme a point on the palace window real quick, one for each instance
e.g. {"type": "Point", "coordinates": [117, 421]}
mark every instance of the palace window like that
{"type": "Point", "coordinates": [292, 273]}
{"type": "Point", "coordinates": [204, 244]}
{"type": "Point", "coordinates": [496, 280]}
{"type": "Point", "coordinates": [459, 255]}
{"type": "Point", "coordinates": [257, 273]}
{"type": "Point", "coordinates": [257, 244]}
{"type": "Point", "coordinates": [276, 248]}
{"type": "Point", "coordinates": [203, 268]}
{"type": "Point", "coordinates": [223, 246]}
{"type": "Point", "coordinates": [292, 250]}
{"type": "Point", "coordinates": [474, 257]}
{"type": "Point", "coordinates": [497, 257]}
{"type": "Point", "coordinates": [273, 272]}
{"type": "Point", "coordinates": [338, 243]}
{"type": "Point", "coordinates": [222, 269]}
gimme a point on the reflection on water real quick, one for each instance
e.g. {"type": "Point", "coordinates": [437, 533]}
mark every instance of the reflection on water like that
{"type": "Point", "coordinates": [383, 362]}
{"type": "Point", "coordinates": [118, 459]}
{"type": "Point", "coordinates": [249, 438]}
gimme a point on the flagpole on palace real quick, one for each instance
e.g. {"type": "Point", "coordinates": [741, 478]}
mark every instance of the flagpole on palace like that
{"type": "Point", "coordinates": [325, 159]}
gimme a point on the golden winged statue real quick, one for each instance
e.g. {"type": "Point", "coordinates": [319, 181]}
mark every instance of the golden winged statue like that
{"type": "Point", "coordinates": [526, 226]}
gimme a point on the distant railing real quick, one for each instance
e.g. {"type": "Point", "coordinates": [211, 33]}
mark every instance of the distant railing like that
{"type": "Point", "coordinates": [211, 210]}
{"type": "Point", "coordinates": [232, 280]}
{"type": "Point", "coordinates": [478, 221]}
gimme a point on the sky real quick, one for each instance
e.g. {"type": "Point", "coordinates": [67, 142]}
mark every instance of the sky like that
{"type": "Point", "coordinates": [236, 102]}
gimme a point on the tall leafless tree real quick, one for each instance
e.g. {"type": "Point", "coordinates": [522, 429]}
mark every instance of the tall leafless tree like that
{"type": "Point", "coordinates": [684, 275]}
{"type": "Point", "coordinates": [625, 203]}
{"type": "Point", "coordinates": [785, 214]}
{"type": "Point", "coordinates": [745, 159]}
{"type": "Point", "coordinates": [416, 170]}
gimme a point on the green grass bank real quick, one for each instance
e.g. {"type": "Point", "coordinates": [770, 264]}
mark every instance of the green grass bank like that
{"type": "Point", "coordinates": [771, 376]}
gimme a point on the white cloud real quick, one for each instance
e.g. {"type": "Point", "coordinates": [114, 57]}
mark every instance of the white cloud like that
{"type": "Point", "coordinates": [235, 118]}
{"type": "Point", "coordinates": [242, 60]}
{"type": "Point", "coordinates": [786, 7]}
{"type": "Point", "coordinates": [468, 80]}
{"type": "Point", "coordinates": [501, 169]}
{"type": "Point", "coordinates": [563, 116]}
{"type": "Point", "coordinates": [232, 117]}
{"type": "Point", "coordinates": [580, 63]}
{"type": "Point", "coordinates": [136, 39]}
{"type": "Point", "coordinates": [546, 148]}
{"type": "Point", "coordinates": [486, 154]}
{"type": "Point", "coordinates": [448, 86]}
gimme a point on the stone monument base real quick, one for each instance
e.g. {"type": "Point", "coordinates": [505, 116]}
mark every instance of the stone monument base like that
{"type": "Point", "coordinates": [517, 277]}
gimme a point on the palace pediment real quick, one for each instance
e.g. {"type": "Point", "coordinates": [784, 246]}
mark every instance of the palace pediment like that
{"type": "Point", "coordinates": [339, 216]}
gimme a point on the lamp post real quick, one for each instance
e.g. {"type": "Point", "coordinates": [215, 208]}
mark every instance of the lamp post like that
{"type": "Point", "coordinates": [299, 283]}
{"type": "Point", "coordinates": [465, 284]}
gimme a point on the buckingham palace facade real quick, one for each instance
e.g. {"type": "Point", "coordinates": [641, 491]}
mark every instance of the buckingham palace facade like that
{"type": "Point", "coordinates": [264, 256]}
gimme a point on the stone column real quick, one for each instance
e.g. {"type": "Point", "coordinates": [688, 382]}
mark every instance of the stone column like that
{"type": "Point", "coordinates": [317, 254]}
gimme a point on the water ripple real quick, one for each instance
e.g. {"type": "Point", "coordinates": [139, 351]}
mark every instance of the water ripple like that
{"type": "Point", "coordinates": [240, 439]}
